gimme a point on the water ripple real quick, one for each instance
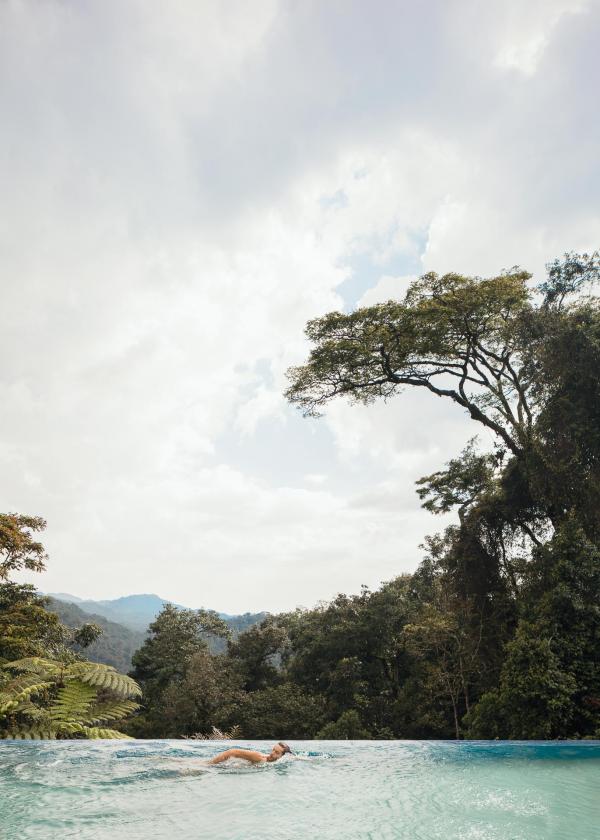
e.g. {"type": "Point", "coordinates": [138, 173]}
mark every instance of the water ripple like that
{"type": "Point", "coordinates": [352, 790]}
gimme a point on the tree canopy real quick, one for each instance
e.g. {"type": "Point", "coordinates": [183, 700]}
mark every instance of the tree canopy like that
{"type": "Point", "coordinates": [471, 340]}
{"type": "Point", "coordinates": [18, 548]}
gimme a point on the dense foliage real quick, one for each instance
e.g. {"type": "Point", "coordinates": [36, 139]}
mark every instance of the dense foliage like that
{"type": "Point", "coordinates": [47, 689]}
{"type": "Point", "coordinates": [48, 699]}
{"type": "Point", "coordinates": [497, 633]}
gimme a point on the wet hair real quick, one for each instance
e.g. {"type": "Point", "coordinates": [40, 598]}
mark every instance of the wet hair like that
{"type": "Point", "coordinates": [285, 747]}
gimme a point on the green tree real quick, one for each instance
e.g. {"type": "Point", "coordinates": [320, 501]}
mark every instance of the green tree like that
{"type": "Point", "coordinates": [175, 637]}
{"type": "Point", "coordinates": [26, 626]}
{"type": "Point", "coordinates": [352, 652]}
{"type": "Point", "coordinates": [464, 481]}
{"type": "Point", "coordinates": [442, 638]}
{"type": "Point", "coordinates": [209, 695]}
{"type": "Point", "coordinates": [461, 338]}
{"type": "Point", "coordinates": [489, 347]}
{"type": "Point", "coordinates": [526, 545]}
{"type": "Point", "coordinates": [347, 727]}
{"type": "Point", "coordinates": [18, 548]}
{"type": "Point", "coordinates": [46, 689]}
{"type": "Point", "coordinates": [257, 653]}
{"type": "Point", "coordinates": [535, 695]}
{"type": "Point", "coordinates": [550, 681]}
{"type": "Point", "coordinates": [281, 711]}
{"type": "Point", "coordinates": [564, 468]}
{"type": "Point", "coordinates": [569, 275]}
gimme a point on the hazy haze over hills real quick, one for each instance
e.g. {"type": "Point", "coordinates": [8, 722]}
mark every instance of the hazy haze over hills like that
{"type": "Point", "coordinates": [136, 612]}
{"type": "Point", "coordinates": [115, 646]}
{"type": "Point", "coordinates": [124, 622]}
{"type": "Point", "coordinates": [133, 611]}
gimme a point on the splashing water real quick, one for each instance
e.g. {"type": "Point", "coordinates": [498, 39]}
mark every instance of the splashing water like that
{"type": "Point", "coordinates": [417, 790]}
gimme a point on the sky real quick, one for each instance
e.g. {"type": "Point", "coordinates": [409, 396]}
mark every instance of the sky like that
{"type": "Point", "coordinates": [183, 186]}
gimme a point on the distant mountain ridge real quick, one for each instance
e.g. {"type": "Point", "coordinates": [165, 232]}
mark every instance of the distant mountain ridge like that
{"type": "Point", "coordinates": [115, 646]}
{"type": "Point", "coordinates": [133, 611]}
{"type": "Point", "coordinates": [125, 621]}
{"type": "Point", "coordinates": [136, 612]}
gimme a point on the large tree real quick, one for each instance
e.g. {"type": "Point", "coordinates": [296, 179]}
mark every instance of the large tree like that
{"type": "Point", "coordinates": [526, 365]}
{"type": "Point", "coordinates": [467, 339]}
{"type": "Point", "coordinates": [161, 664]}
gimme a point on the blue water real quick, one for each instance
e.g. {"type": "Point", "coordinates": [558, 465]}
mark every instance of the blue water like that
{"type": "Point", "coordinates": [330, 789]}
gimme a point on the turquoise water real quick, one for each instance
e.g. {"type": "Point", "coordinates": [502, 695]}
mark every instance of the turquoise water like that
{"type": "Point", "coordinates": [331, 789]}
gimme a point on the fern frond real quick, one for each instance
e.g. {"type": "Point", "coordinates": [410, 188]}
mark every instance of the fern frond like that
{"type": "Point", "coordinates": [7, 706]}
{"type": "Point", "coordinates": [34, 664]}
{"type": "Point", "coordinates": [105, 676]}
{"type": "Point", "coordinates": [70, 727]}
{"type": "Point", "coordinates": [115, 710]}
{"type": "Point", "coordinates": [18, 690]}
{"type": "Point", "coordinates": [67, 703]}
{"type": "Point", "coordinates": [34, 713]}
{"type": "Point", "coordinates": [96, 733]}
{"type": "Point", "coordinates": [72, 703]}
{"type": "Point", "coordinates": [28, 733]}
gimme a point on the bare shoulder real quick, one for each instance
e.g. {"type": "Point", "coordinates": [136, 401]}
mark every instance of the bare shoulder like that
{"type": "Point", "coordinates": [235, 752]}
{"type": "Point", "coordinates": [249, 755]}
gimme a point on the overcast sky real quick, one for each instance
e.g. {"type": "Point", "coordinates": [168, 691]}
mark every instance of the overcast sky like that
{"type": "Point", "coordinates": [183, 186]}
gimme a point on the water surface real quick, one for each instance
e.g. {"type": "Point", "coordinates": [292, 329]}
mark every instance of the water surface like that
{"type": "Point", "coordinates": [105, 790]}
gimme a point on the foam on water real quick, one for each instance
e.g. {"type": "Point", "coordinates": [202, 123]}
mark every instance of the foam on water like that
{"type": "Point", "coordinates": [366, 789]}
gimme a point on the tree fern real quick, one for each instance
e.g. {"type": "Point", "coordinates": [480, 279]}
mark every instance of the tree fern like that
{"type": "Point", "coordinates": [115, 710]}
{"type": "Point", "coordinates": [29, 733]}
{"type": "Point", "coordinates": [50, 699]}
{"type": "Point", "coordinates": [20, 689]}
{"type": "Point", "coordinates": [96, 733]}
{"type": "Point", "coordinates": [72, 703]}
{"type": "Point", "coordinates": [105, 676]}
{"type": "Point", "coordinates": [36, 665]}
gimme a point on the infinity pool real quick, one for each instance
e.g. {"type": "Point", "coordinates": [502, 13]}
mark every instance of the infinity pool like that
{"type": "Point", "coordinates": [330, 789]}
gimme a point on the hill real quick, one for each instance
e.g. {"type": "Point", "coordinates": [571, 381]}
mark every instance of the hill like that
{"type": "Point", "coordinates": [137, 611]}
{"type": "Point", "coordinates": [125, 621]}
{"type": "Point", "coordinates": [117, 643]}
{"type": "Point", "coordinates": [132, 611]}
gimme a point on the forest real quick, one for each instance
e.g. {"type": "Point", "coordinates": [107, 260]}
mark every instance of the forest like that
{"type": "Point", "coordinates": [497, 632]}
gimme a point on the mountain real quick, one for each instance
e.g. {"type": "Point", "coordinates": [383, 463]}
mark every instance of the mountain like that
{"type": "Point", "coordinates": [115, 646]}
{"type": "Point", "coordinates": [118, 642]}
{"type": "Point", "coordinates": [64, 596]}
{"type": "Point", "coordinates": [125, 623]}
{"type": "Point", "coordinates": [132, 611]}
{"type": "Point", "coordinates": [137, 611]}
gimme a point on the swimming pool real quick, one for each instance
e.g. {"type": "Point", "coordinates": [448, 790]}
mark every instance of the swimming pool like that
{"type": "Point", "coordinates": [332, 789]}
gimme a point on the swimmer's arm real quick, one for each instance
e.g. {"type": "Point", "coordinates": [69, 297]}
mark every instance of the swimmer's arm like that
{"type": "Point", "coordinates": [249, 755]}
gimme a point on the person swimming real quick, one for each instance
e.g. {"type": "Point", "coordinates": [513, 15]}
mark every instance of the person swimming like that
{"type": "Point", "coordinates": [278, 751]}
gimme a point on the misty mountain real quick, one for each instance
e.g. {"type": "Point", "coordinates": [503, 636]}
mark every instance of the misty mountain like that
{"type": "Point", "coordinates": [125, 622]}
{"type": "Point", "coordinates": [132, 611]}
{"type": "Point", "coordinates": [64, 596]}
{"type": "Point", "coordinates": [115, 646]}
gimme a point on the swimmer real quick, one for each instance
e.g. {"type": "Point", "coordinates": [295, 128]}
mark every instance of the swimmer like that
{"type": "Point", "coordinates": [279, 750]}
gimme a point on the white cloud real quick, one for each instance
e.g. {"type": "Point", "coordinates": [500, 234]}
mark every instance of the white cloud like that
{"type": "Point", "coordinates": [528, 30]}
{"type": "Point", "coordinates": [184, 190]}
{"type": "Point", "coordinates": [315, 478]}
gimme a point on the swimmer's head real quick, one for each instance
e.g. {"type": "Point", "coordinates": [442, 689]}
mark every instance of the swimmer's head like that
{"type": "Point", "coordinates": [279, 750]}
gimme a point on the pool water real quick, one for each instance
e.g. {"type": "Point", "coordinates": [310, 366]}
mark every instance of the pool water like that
{"type": "Point", "coordinates": [330, 789]}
